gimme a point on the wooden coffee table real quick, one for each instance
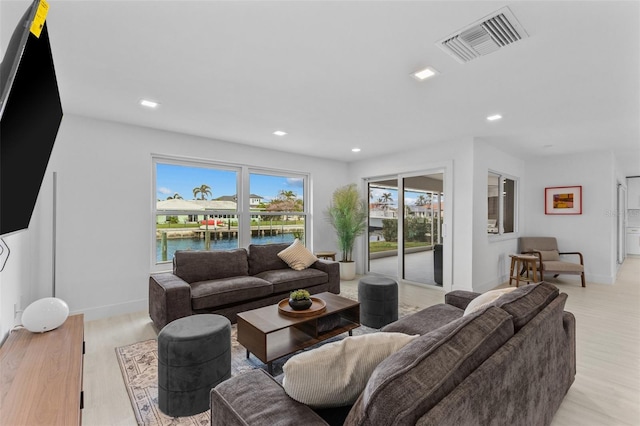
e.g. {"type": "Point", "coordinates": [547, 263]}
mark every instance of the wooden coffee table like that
{"type": "Point", "coordinates": [270, 335]}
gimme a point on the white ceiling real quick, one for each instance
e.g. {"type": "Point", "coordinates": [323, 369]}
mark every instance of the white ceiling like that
{"type": "Point", "coordinates": [336, 75]}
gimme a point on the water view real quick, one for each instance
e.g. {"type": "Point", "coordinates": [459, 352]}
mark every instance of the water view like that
{"type": "Point", "coordinates": [224, 244]}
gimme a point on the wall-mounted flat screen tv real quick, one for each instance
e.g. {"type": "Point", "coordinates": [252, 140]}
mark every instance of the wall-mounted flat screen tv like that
{"type": "Point", "coordinates": [30, 116]}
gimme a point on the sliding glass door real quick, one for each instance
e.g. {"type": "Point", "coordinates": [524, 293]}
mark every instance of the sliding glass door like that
{"type": "Point", "coordinates": [405, 227]}
{"type": "Point", "coordinates": [383, 226]}
{"type": "Point", "coordinates": [422, 236]}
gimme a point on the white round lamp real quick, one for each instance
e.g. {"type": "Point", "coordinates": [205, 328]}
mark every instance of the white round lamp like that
{"type": "Point", "coordinates": [45, 314]}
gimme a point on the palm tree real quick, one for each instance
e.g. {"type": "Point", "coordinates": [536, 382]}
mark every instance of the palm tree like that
{"type": "Point", "coordinates": [386, 199]}
{"type": "Point", "coordinates": [286, 201]}
{"type": "Point", "coordinates": [175, 196]}
{"type": "Point", "coordinates": [422, 200]}
{"type": "Point", "coordinates": [286, 195]}
{"type": "Point", "coordinates": [203, 190]}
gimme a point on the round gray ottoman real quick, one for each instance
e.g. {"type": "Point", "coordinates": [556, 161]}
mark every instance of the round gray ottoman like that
{"type": "Point", "coordinates": [194, 355]}
{"type": "Point", "coordinates": [378, 297]}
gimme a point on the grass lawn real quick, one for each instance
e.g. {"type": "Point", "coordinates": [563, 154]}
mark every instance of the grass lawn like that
{"type": "Point", "coordinates": [378, 246]}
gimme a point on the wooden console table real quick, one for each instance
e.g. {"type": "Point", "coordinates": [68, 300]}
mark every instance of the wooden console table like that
{"type": "Point", "coordinates": [41, 376]}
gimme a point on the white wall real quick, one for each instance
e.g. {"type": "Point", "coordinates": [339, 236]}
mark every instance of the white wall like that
{"type": "Point", "coordinates": [592, 232]}
{"type": "Point", "coordinates": [491, 259]}
{"type": "Point", "coordinates": [628, 163]}
{"type": "Point", "coordinates": [12, 281]}
{"type": "Point", "coordinates": [104, 207]}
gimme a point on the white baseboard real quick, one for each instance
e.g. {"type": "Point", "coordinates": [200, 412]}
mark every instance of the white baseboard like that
{"type": "Point", "coordinates": [599, 279]}
{"type": "Point", "coordinates": [107, 311]}
{"type": "Point", "coordinates": [490, 285]}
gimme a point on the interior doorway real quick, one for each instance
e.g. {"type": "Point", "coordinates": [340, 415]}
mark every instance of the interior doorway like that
{"type": "Point", "coordinates": [405, 237]}
{"type": "Point", "coordinates": [621, 224]}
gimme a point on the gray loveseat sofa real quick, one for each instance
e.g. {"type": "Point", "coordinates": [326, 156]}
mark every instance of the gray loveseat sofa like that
{"type": "Point", "coordinates": [510, 363]}
{"type": "Point", "coordinates": [232, 281]}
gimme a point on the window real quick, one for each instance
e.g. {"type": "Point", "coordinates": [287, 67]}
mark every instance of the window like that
{"type": "Point", "coordinates": [280, 216]}
{"type": "Point", "coordinates": [214, 206]}
{"type": "Point", "coordinates": [501, 197]}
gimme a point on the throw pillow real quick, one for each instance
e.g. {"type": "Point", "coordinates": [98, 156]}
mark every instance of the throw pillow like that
{"type": "Point", "coordinates": [525, 302]}
{"type": "Point", "coordinates": [335, 374]}
{"type": "Point", "coordinates": [297, 256]}
{"type": "Point", "coordinates": [485, 299]}
{"type": "Point", "coordinates": [549, 255]}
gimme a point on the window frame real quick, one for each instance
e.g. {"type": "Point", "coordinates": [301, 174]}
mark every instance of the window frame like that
{"type": "Point", "coordinates": [501, 234]}
{"type": "Point", "coordinates": [243, 210]}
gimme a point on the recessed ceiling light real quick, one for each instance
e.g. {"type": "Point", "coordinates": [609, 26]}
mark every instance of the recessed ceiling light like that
{"type": "Point", "coordinates": [149, 104]}
{"type": "Point", "coordinates": [279, 133]}
{"type": "Point", "coordinates": [355, 149]}
{"type": "Point", "coordinates": [424, 73]}
{"type": "Point", "coordinates": [494, 117]}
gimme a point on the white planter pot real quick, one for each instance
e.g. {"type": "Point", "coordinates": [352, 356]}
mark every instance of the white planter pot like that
{"type": "Point", "coordinates": [347, 270]}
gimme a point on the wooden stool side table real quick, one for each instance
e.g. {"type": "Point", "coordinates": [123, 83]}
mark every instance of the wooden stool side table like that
{"type": "Point", "coordinates": [522, 262]}
{"type": "Point", "coordinates": [326, 255]}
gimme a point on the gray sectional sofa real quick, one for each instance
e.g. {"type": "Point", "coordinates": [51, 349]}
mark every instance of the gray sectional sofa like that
{"type": "Point", "coordinates": [232, 281]}
{"type": "Point", "coordinates": [509, 363]}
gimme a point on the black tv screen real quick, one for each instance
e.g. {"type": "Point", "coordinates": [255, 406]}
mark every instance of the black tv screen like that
{"type": "Point", "coordinates": [30, 116]}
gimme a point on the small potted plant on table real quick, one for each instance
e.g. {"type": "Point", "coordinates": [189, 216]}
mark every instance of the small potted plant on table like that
{"type": "Point", "coordinates": [300, 300]}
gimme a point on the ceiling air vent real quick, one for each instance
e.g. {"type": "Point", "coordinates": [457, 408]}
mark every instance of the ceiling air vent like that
{"type": "Point", "coordinates": [491, 33]}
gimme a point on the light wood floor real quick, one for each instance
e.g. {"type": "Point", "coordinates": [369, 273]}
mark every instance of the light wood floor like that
{"type": "Point", "coordinates": [606, 390]}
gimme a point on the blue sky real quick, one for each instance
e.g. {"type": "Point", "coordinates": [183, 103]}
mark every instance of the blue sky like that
{"type": "Point", "coordinates": [172, 179]}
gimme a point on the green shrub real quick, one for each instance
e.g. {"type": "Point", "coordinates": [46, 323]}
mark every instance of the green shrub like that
{"type": "Point", "coordinates": [390, 229]}
{"type": "Point", "coordinates": [416, 229]}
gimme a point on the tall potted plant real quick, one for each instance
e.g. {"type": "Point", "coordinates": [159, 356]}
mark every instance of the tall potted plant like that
{"type": "Point", "coordinates": [347, 213]}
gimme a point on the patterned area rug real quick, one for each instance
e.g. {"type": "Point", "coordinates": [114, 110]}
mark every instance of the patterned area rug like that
{"type": "Point", "coordinates": [139, 365]}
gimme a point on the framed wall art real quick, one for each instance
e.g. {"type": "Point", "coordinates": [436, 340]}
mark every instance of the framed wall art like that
{"type": "Point", "coordinates": [563, 200]}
